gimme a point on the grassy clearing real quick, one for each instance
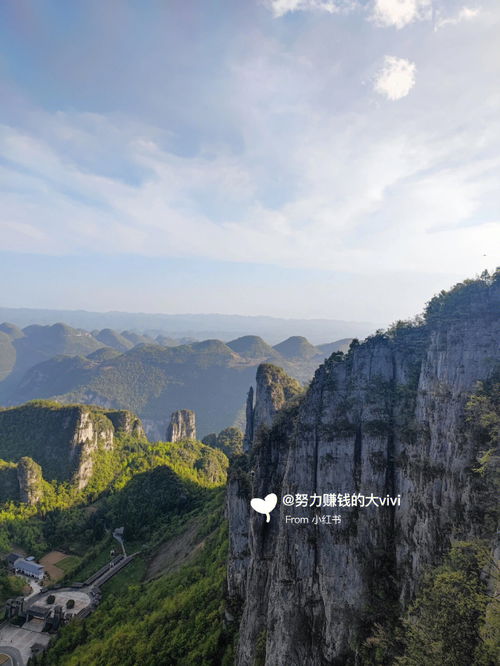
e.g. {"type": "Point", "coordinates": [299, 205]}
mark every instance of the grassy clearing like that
{"type": "Point", "coordinates": [69, 564]}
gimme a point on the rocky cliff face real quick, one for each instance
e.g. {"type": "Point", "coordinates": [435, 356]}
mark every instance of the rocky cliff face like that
{"type": "Point", "coordinates": [274, 389]}
{"type": "Point", "coordinates": [389, 419]}
{"type": "Point", "coordinates": [182, 426]}
{"type": "Point", "coordinates": [126, 422]}
{"type": "Point", "coordinates": [248, 438]}
{"type": "Point", "coordinates": [64, 441]}
{"type": "Point", "coordinates": [91, 432]}
{"type": "Point", "coordinates": [29, 475]}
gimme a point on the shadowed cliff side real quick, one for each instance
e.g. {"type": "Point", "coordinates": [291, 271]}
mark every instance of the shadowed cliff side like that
{"type": "Point", "coordinates": [49, 441]}
{"type": "Point", "coordinates": [388, 418]}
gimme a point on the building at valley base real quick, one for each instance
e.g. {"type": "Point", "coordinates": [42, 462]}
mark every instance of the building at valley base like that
{"type": "Point", "coordinates": [25, 566]}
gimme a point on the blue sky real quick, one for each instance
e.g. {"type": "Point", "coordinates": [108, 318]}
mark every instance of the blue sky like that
{"type": "Point", "coordinates": [302, 158]}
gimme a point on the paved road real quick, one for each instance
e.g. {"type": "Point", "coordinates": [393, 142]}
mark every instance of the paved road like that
{"type": "Point", "coordinates": [14, 655]}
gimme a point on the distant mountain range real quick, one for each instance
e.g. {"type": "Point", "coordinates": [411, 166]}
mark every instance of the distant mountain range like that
{"type": "Point", "coordinates": [150, 376]}
{"type": "Point", "coordinates": [200, 326]}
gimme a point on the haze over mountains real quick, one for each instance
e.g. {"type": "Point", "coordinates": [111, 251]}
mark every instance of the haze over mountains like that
{"type": "Point", "coordinates": [151, 376]}
{"type": "Point", "coordinates": [200, 326]}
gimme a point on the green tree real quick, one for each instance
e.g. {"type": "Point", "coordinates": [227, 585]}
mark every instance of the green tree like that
{"type": "Point", "coordinates": [447, 624]}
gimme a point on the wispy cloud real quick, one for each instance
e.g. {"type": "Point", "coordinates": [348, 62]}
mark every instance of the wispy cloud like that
{"type": "Point", "coordinates": [464, 14]}
{"type": "Point", "coordinates": [353, 210]}
{"type": "Point", "coordinates": [396, 78]}
{"type": "Point", "coordinates": [260, 147]}
{"type": "Point", "coordinates": [399, 13]}
{"type": "Point", "coordinates": [383, 13]}
{"type": "Point", "coordinates": [282, 7]}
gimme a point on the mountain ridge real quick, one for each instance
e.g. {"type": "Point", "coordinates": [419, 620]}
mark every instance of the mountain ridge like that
{"type": "Point", "coordinates": [226, 327]}
{"type": "Point", "coordinates": [71, 365]}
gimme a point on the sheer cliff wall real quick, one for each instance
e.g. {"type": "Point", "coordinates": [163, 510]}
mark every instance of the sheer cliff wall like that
{"type": "Point", "coordinates": [388, 418]}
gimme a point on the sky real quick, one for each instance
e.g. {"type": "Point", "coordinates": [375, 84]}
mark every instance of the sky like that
{"type": "Point", "coordinates": [297, 158]}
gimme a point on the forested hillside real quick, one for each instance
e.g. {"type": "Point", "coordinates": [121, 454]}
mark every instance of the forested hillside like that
{"type": "Point", "coordinates": [177, 618]}
{"type": "Point", "coordinates": [147, 376]}
{"type": "Point", "coordinates": [169, 498]}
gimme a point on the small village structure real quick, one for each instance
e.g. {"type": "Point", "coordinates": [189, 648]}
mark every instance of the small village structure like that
{"type": "Point", "coordinates": [25, 566]}
{"type": "Point", "coordinates": [29, 568]}
{"type": "Point", "coordinates": [30, 621]}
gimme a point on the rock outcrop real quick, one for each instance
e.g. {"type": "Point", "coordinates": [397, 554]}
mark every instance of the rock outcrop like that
{"type": "Point", "coordinates": [126, 422]}
{"type": "Point", "coordinates": [274, 388]}
{"type": "Point", "coordinates": [92, 432]}
{"type": "Point", "coordinates": [182, 426]}
{"type": "Point", "coordinates": [388, 418]}
{"type": "Point", "coordinates": [30, 478]}
{"type": "Point", "coordinates": [65, 441]}
{"type": "Point", "coordinates": [248, 438]}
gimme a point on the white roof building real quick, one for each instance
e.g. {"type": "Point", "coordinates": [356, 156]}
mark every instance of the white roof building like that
{"type": "Point", "coordinates": [28, 568]}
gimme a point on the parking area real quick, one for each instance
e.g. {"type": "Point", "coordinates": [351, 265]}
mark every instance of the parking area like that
{"type": "Point", "coordinates": [81, 598]}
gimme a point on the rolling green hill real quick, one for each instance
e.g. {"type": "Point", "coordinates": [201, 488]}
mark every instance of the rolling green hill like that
{"type": "Point", "coordinates": [152, 380]}
{"type": "Point", "coordinates": [135, 483]}
{"type": "Point", "coordinates": [113, 339]}
{"type": "Point", "coordinates": [20, 350]}
{"type": "Point", "coordinates": [296, 347]}
{"type": "Point", "coordinates": [253, 347]}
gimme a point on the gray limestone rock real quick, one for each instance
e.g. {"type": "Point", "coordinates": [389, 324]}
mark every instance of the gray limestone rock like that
{"type": "Point", "coordinates": [29, 476]}
{"type": "Point", "coordinates": [182, 426]}
{"type": "Point", "coordinates": [387, 419]}
{"type": "Point", "coordinates": [91, 431]}
{"type": "Point", "coordinates": [273, 389]}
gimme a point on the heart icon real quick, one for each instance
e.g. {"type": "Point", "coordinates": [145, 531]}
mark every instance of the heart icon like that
{"type": "Point", "coordinates": [265, 505]}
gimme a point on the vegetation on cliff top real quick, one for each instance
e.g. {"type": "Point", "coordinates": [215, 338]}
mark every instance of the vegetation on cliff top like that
{"type": "Point", "coordinates": [134, 483]}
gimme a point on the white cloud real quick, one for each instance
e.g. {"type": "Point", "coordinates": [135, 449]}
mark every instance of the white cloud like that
{"type": "Point", "coordinates": [396, 78]}
{"type": "Point", "coordinates": [394, 203]}
{"type": "Point", "coordinates": [398, 13]}
{"type": "Point", "coordinates": [324, 177]}
{"type": "Point", "coordinates": [282, 7]}
{"type": "Point", "coordinates": [465, 14]}
{"type": "Point", "coordinates": [384, 13]}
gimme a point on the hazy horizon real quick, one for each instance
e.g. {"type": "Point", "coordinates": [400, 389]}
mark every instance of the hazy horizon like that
{"type": "Point", "coordinates": [176, 314]}
{"type": "Point", "coordinates": [198, 326]}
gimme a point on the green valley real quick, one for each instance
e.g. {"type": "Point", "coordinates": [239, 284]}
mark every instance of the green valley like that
{"type": "Point", "coordinates": [136, 372]}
